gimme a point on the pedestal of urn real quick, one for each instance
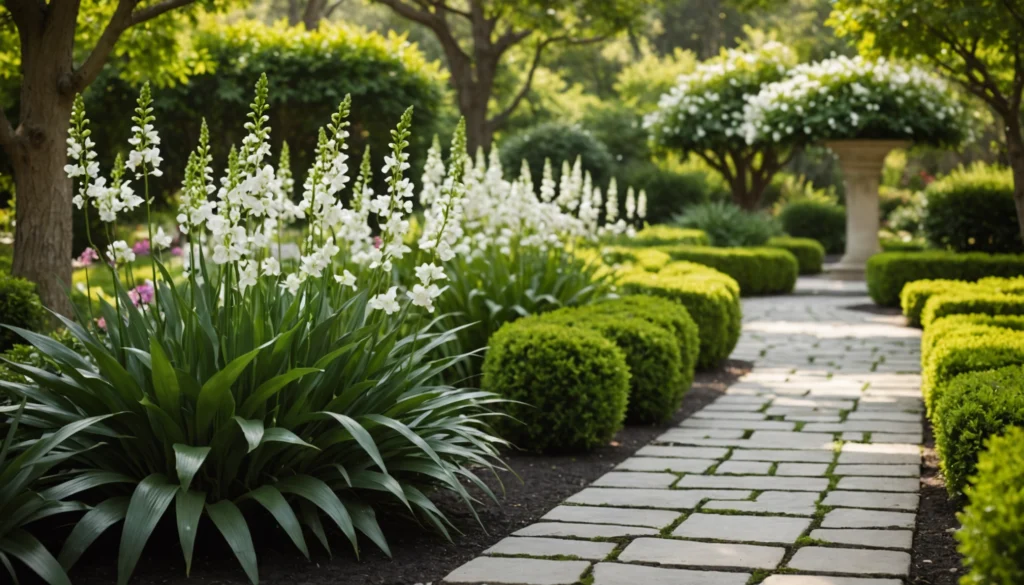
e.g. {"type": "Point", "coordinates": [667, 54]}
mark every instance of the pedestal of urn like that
{"type": "Point", "coordinates": [861, 162]}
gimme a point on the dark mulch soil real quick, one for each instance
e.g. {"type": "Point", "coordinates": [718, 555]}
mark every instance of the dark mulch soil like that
{"type": "Point", "coordinates": [420, 556]}
{"type": "Point", "coordinates": [876, 310]}
{"type": "Point", "coordinates": [935, 559]}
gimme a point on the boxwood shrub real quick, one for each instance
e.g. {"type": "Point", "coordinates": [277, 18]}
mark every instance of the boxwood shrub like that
{"type": "Point", "coordinates": [711, 298]}
{"type": "Point", "coordinates": [570, 385]}
{"type": "Point", "coordinates": [972, 210]}
{"type": "Point", "coordinates": [19, 307]}
{"type": "Point", "coordinates": [647, 259]}
{"type": "Point", "coordinates": [915, 294]}
{"type": "Point", "coordinates": [987, 303]}
{"type": "Point", "coordinates": [962, 324]}
{"type": "Point", "coordinates": [972, 408]}
{"type": "Point", "coordinates": [823, 221]}
{"type": "Point", "coordinates": [652, 353]}
{"type": "Point", "coordinates": [810, 255]}
{"type": "Point", "coordinates": [666, 235]}
{"type": "Point", "coordinates": [758, 271]}
{"type": "Point", "coordinates": [888, 272]}
{"type": "Point", "coordinates": [992, 526]}
{"type": "Point", "coordinates": [967, 349]}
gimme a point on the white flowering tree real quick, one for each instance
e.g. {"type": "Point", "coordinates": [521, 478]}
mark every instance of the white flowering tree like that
{"type": "Point", "coordinates": [703, 115]}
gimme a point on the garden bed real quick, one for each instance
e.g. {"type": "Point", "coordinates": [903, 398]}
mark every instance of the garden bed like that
{"type": "Point", "coordinates": [935, 558]}
{"type": "Point", "coordinates": [419, 556]}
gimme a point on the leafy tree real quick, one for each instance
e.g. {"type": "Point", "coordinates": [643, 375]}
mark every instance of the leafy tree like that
{"type": "Point", "coordinates": [977, 43]}
{"type": "Point", "coordinates": [477, 34]}
{"type": "Point", "coordinates": [59, 49]}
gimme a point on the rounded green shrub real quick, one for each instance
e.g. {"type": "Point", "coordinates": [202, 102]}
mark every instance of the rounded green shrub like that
{"type": "Point", "coordinates": [972, 210]}
{"type": "Point", "coordinates": [810, 254]}
{"type": "Point", "coordinates": [952, 324]}
{"type": "Point", "coordinates": [889, 272]}
{"type": "Point", "coordinates": [972, 408]}
{"type": "Point", "coordinates": [665, 235]}
{"type": "Point", "coordinates": [647, 259]}
{"type": "Point", "coordinates": [970, 301]}
{"type": "Point", "coordinates": [557, 142]}
{"type": "Point", "coordinates": [915, 294]}
{"type": "Point", "coordinates": [570, 385]}
{"type": "Point", "coordinates": [19, 307]}
{"type": "Point", "coordinates": [822, 221]}
{"type": "Point", "coordinates": [656, 382]}
{"type": "Point", "coordinates": [992, 525]}
{"type": "Point", "coordinates": [758, 271]}
{"type": "Point", "coordinates": [967, 349]}
{"type": "Point", "coordinates": [668, 191]}
{"type": "Point", "coordinates": [711, 298]}
{"type": "Point", "coordinates": [727, 225]}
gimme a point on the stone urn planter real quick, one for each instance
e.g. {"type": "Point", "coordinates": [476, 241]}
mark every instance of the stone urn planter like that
{"type": "Point", "coordinates": [861, 162]}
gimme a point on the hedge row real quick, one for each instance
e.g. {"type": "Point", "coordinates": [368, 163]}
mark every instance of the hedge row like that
{"type": "Point", "coordinates": [758, 271]}
{"type": "Point", "coordinates": [666, 235]}
{"type": "Point", "coordinates": [992, 295]}
{"type": "Point", "coordinates": [889, 272]}
{"type": "Point", "coordinates": [810, 255]}
{"type": "Point", "coordinates": [575, 374]}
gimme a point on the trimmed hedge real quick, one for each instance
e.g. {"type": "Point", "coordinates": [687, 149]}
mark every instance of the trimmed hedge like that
{"type": "Point", "coordinates": [810, 255]}
{"type": "Point", "coordinates": [570, 386]}
{"type": "Point", "coordinates": [822, 221]}
{"type": "Point", "coordinates": [758, 271]}
{"type": "Point", "coordinates": [647, 259]}
{"type": "Point", "coordinates": [711, 298]}
{"type": "Point", "coordinates": [915, 294]}
{"type": "Point", "coordinates": [972, 210]}
{"type": "Point", "coordinates": [974, 407]}
{"type": "Point", "coordinates": [19, 307]}
{"type": "Point", "coordinates": [992, 533]}
{"type": "Point", "coordinates": [956, 303]}
{"type": "Point", "coordinates": [888, 272]}
{"type": "Point", "coordinates": [967, 349]}
{"type": "Point", "coordinates": [666, 235]}
{"type": "Point", "coordinates": [652, 354]}
{"type": "Point", "coordinates": [945, 326]}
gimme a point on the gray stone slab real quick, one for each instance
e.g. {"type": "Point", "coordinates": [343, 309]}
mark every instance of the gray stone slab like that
{"type": "Point", "coordinates": [826, 580]}
{"type": "Point", "coordinates": [665, 464]}
{"type": "Point", "coordinates": [747, 425]}
{"type": "Point", "coordinates": [575, 530]}
{"type": "Point", "coordinates": [914, 438]}
{"type": "Point", "coordinates": [848, 458]}
{"type": "Point", "coordinates": [735, 407]}
{"type": "Point", "coordinates": [686, 435]}
{"type": "Point", "coordinates": [625, 479]}
{"type": "Point", "coordinates": [754, 482]}
{"type": "Point", "coordinates": [762, 529]}
{"type": "Point", "coordinates": [551, 547]}
{"type": "Point", "coordinates": [644, 498]}
{"type": "Point", "coordinates": [743, 468]}
{"type": "Point", "coordinates": [864, 426]}
{"type": "Point", "coordinates": [518, 571]}
{"type": "Point", "coordinates": [781, 455]}
{"type": "Point", "coordinates": [880, 484]}
{"type": "Point", "coordinates": [902, 539]}
{"type": "Point", "coordinates": [794, 503]}
{"type": "Point", "coordinates": [622, 574]}
{"type": "Point", "coordinates": [813, 403]}
{"type": "Point", "coordinates": [702, 554]}
{"type": "Point", "coordinates": [879, 470]}
{"type": "Point", "coordinates": [802, 469]}
{"type": "Point", "coordinates": [853, 561]}
{"type": "Point", "coordinates": [682, 452]}
{"type": "Point", "coordinates": [727, 415]}
{"type": "Point", "coordinates": [604, 515]}
{"type": "Point", "coordinates": [877, 500]}
{"type": "Point", "coordinates": [889, 415]}
{"type": "Point", "coordinates": [784, 440]}
{"type": "Point", "coordinates": [855, 518]}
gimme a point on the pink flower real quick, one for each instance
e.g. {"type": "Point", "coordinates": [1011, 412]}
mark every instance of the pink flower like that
{"type": "Point", "coordinates": [141, 247]}
{"type": "Point", "coordinates": [101, 323]}
{"type": "Point", "coordinates": [177, 251]}
{"type": "Point", "coordinates": [142, 294]}
{"type": "Point", "coordinates": [377, 242]}
{"type": "Point", "coordinates": [86, 258]}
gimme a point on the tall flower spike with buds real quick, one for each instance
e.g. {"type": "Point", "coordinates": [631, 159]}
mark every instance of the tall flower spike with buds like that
{"type": "Point", "coordinates": [547, 182]}
{"type": "Point", "coordinates": [630, 203]}
{"type": "Point", "coordinates": [194, 208]}
{"type": "Point", "coordinates": [433, 174]}
{"type": "Point", "coordinates": [611, 206]}
{"type": "Point", "coordinates": [443, 221]}
{"type": "Point", "coordinates": [144, 158]}
{"type": "Point", "coordinates": [641, 204]}
{"type": "Point", "coordinates": [356, 231]}
{"type": "Point", "coordinates": [524, 176]}
{"type": "Point", "coordinates": [391, 208]}
{"type": "Point", "coordinates": [83, 169]}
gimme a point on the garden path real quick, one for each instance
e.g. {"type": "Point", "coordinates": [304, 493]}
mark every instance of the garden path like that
{"type": "Point", "coordinates": [805, 472]}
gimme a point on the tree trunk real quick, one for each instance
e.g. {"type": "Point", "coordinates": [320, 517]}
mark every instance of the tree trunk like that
{"type": "Point", "coordinates": [478, 131]}
{"type": "Point", "coordinates": [314, 13]}
{"type": "Point", "coordinates": [1015, 152]}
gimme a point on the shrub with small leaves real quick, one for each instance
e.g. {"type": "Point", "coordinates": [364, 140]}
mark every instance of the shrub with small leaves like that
{"type": "Point", "coordinates": [758, 271]}
{"type": "Point", "coordinates": [887, 273]}
{"type": "Point", "coordinates": [810, 255]}
{"type": "Point", "coordinates": [823, 221]}
{"type": "Point", "coordinates": [972, 210]}
{"type": "Point", "coordinates": [726, 225]}
{"type": "Point", "coordinates": [19, 307]}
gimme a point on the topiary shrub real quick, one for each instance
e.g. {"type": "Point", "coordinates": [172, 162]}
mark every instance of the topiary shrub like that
{"type": "Point", "coordinates": [971, 301]}
{"type": "Point", "coordinates": [967, 349]}
{"type": "Point", "coordinates": [558, 142]}
{"type": "Point", "coordinates": [940, 328]}
{"type": "Point", "coordinates": [647, 259]}
{"type": "Point", "coordinates": [887, 273]}
{"type": "Point", "coordinates": [915, 294]}
{"type": "Point", "coordinates": [668, 191]}
{"type": "Point", "coordinates": [822, 221]}
{"type": "Point", "coordinates": [711, 298]}
{"type": "Point", "coordinates": [810, 254]}
{"type": "Point", "coordinates": [727, 225]}
{"type": "Point", "coordinates": [665, 235]}
{"type": "Point", "coordinates": [972, 210]}
{"type": "Point", "coordinates": [972, 408]}
{"type": "Point", "coordinates": [19, 307]}
{"type": "Point", "coordinates": [652, 353]}
{"type": "Point", "coordinates": [992, 525]}
{"type": "Point", "coordinates": [758, 271]}
{"type": "Point", "coordinates": [668, 315]}
{"type": "Point", "coordinates": [572, 384]}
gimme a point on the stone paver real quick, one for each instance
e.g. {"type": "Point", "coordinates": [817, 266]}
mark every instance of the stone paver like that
{"type": "Point", "coordinates": [767, 529]}
{"type": "Point", "coordinates": [738, 484]}
{"type": "Point", "coordinates": [848, 560]}
{"type": "Point", "coordinates": [702, 554]}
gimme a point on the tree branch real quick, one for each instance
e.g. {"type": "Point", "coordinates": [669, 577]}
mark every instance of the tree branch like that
{"type": "Point", "coordinates": [433, 21]}
{"type": "Point", "coordinates": [26, 13]}
{"type": "Point", "coordinates": [330, 9]}
{"type": "Point", "coordinates": [442, 5]}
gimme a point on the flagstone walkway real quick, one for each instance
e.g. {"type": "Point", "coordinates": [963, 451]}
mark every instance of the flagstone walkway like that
{"type": "Point", "coordinates": [805, 472]}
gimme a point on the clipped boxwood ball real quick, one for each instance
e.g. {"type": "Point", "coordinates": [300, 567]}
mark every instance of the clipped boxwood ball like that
{"type": "Point", "coordinates": [573, 385]}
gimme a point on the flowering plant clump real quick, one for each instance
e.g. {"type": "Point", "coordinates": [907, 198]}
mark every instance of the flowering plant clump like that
{"type": "Point", "coordinates": [856, 98]}
{"type": "Point", "coordinates": [306, 387]}
{"type": "Point", "coordinates": [704, 115]}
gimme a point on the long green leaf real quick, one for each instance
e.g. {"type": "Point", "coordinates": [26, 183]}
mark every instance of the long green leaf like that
{"type": "Point", "coordinates": [187, 461]}
{"type": "Point", "coordinates": [90, 527]}
{"type": "Point", "coordinates": [24, 547]}
{"type": "Point", "coordinates": [268, 389]}
{"type": "Point", "coordinates": [271, 499]}
{"type": "Point", "coordinates": [211, 395]}
{"type": "Point", "coordinates": [148, 503]}
{"type": "Point", "coordinates": [366, 522]}
{"type": "Point", "coordinates": [361, 436]}
{"type": "Point", "coordinates": [165, 381]}
{"type": "Point", "coordinates": [229, 520]}
{"type": "Point", "coordinates": [188, 507]}
{"type": "Point", "coordinates": [318, 493]}
{"type": "Point", "coordinates": [252, 431]}
{"type": "Point", "coordinates": [82, 482]}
